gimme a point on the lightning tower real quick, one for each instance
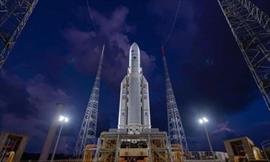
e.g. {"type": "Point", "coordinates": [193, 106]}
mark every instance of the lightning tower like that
{"type": "Point", "coordinates": [251, 29]}
{"type": "Point", "coordinates": [176, 131]}
{"type": "Point", "coordinates": [87, 134]}
{"type": "Point", "coordinates": [14, 14]}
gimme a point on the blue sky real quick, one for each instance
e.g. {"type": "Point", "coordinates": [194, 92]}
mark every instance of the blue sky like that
{"type": "Point", "coordinates": [55, 60]}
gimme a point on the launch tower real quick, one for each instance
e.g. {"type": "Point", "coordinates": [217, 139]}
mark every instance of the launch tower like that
{"type": "Point", "coordinates": [14, 15]}
{"type": "Point", "coordinates": [251, 29]}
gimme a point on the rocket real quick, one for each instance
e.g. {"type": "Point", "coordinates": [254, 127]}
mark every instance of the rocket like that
{"type": "Point", "coordinates": [134, 107]}
{"type": "Point", "coordinates": [134, 82]}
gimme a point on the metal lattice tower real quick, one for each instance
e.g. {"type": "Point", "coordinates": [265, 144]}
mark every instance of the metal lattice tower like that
{"type": "Point", "coordinates": [175, 127]}
{"type": "Point", "coordinates": [14, 14]}
{"type": "Point", "coordinates": [87, 134]}
{"type": "Point", "coordinates": [251, 28]}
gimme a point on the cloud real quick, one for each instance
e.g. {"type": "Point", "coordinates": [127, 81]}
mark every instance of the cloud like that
{"type": "Point", "coordinates": [197, 57]}
{"type": "Point", "coordinates": [35, 100]}
{"type": "Point", "coordinates": [85, 47]}
{"type": "Point", "coordinates": [223, 128]}
{"type": "Point", "coordinates": [27, 126]}
{"type": "Point", "coordinates": [44, 97]}
{"type": "Point", "coordinates": [13, 96]}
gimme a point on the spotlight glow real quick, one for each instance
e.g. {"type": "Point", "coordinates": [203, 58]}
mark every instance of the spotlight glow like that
{"type": "Point", "coordinates": [203, 120]}
{"type": "Point", "coordinates": [63, 119]}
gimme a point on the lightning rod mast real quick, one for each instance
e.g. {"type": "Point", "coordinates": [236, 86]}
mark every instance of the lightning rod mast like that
{"type": "Point", "coordinates": [87, 134]}
{"type": "Point", "coordinates": [175, 127]}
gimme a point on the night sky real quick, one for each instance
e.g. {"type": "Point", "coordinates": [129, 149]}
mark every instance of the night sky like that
{"type": "Point", "coordinates": [56, 57]}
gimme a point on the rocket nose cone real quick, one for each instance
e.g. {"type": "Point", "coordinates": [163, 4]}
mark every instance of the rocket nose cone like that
{"type": "Point", "coordinates": [134, 46]}
{"type": "Point", "coordinates": [134, 56]}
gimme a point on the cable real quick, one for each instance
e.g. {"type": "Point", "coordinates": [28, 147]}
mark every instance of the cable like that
{"type": "Point", "coordinates": [174, 22]}
{"type": "Point", "coordinates": [91, 19]}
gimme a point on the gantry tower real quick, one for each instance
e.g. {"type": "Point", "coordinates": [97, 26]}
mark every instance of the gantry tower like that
{"type": "Point", "coordinates": [176, 131]}
{"type": "Point", "coordinates": [87, 134]}
{"type": "Point", "coordinates": [14, 14]}
{"type": "Point", "coordinates": [251, 29]}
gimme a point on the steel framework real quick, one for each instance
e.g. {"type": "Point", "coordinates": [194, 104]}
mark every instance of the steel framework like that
{"type": "Point", "coordinates": [87, 134]}
{"type": "Point", "coordinates": [117, 146]}
{"type": "Point", "coordinates": [14, 14]}
{"type": "Point", "coordinates": [251, 29]}
{"type": "Point", "coordinates": [175, 126]}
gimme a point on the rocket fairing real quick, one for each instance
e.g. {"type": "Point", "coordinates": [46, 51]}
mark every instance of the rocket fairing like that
{"type": "Point", "coordinates": [134, 107]}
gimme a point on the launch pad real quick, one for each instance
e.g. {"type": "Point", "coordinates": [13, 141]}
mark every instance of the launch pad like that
{"type": "Point", "coordinates": [119, 146]}
{"type": "Point", "coordinates": [135, 140]}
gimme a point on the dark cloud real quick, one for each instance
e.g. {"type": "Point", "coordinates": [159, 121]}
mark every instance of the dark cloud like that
{"type": "Point", "coordinates": [30, 104]}
{"type": "Point", "coordinates": [13, 96]}
{"type": "Point", "coordinates": [85, 47]}
{"type": "Point", "coordinates": [44, 97]}
{"type": "Point", "coordinates": [206, 66]}
{"type": "Point", "coordinates": [207, 70]}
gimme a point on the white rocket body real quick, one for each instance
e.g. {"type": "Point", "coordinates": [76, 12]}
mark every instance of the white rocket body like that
{"type": "Point", "coordinates": [134, 108]}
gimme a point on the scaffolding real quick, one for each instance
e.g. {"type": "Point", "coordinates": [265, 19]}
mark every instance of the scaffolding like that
{"type": "Point", "coordinates": [251, 29]}
{"type": "Point", "coordinates": [14, 14]}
